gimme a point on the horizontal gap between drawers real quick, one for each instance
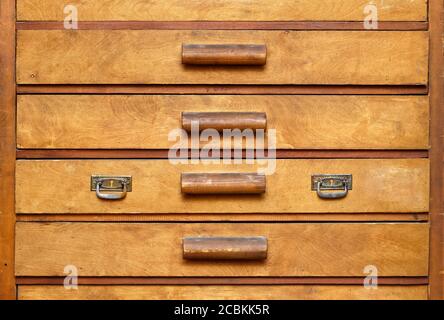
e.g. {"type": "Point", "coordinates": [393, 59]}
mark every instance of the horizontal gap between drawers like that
{"type": "Point", "coordinates": [223, 89]}
{"type": "Point", "coordinates": [221, 218]}
{"type": "Point", "coordinates": [225, 25]}
{"type": "Point", "coordinates": [220, 281]}
{"type": "Point", "coordinates": [163, 154]}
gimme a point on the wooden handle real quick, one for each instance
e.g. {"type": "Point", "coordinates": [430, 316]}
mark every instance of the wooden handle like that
{"type": "Point", "coordinates": [224, 54]}
{"type": "Point", "coordinates": [223, 183]}
{"type": "Point", "coordinates": [225, 248]}
{"type": "Point", "coordinates": [225, 120]}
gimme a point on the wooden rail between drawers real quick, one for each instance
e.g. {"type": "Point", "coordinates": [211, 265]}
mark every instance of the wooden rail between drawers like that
{"type": "Point", "coordinates": [225, 25]}
{"type": "Point", "coordinates": [7, 284]}
{"type": "Point", "coordinates": [223, 89]}
{"type": "Point", "coordinates": [220, 281]}
{"type": "Point", "coordinates": [163, 154]}
{"type": "Point", "coordinates": [245, 217]}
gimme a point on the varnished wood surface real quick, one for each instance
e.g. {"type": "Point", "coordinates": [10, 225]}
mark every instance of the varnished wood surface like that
{"type": "Point", "coordinates": [200, 292]}
{"type": "Point", "coordinates": [228, 10]}
{"type": "Point", "coordinates": [155, 249]}
{"type": "Point", "coordinates": [223, 183]}
{"type": "Point", "coordinates": [391, 185]}
{"type": "Point", "coordinates": [154, 57]}
{"type": "Point", "coordinates": [436, 12]}
{"type": "Point", "coordinates": [7, 148]}
{"type": "Point", "coordinates": [225, 25]}
{"type": "Point", "coordinates": [224, 54]}
{"type": "Point", "coordinates": [225, 248]}
{"type": "Point", "coordinates": [145, 121]}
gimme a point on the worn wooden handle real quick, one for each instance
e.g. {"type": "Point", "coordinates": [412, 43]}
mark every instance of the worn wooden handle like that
{"type": "Point", "coordinates": [223, 183]}
{"type": "Point", "coordinates": [224, 120]}
{"type": "Point", "coordinates": [225, 248]}
{"type": "Point", "coordinates": [224, 54]}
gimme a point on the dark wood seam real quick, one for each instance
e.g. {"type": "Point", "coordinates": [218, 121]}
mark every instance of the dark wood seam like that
{"type": "Point", "coordinates": [223, 89]}
{"type": "Point", "coordinates": [163, 154]}
{"type": "Point", "coordinates": [225, 25]}
{"type": "Point", "coordinates": [220, 281]}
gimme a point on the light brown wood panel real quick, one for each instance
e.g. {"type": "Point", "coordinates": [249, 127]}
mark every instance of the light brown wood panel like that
{"type": "Point", "coordinates": [144, 121]}
{"type": "Point", "coordinates": [154, 57]}
{"type": "Point", "coordinates": [228, 10]}
{"type": "Point", "coordinates": [380, 185]}
{"type": "Point", "coordinates": [155, 249]}
{"type": "Point", "coordinates": [223, 292]}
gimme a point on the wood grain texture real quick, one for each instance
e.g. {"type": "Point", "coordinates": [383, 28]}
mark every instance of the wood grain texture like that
{"type": "Point", "coordinates": [154, 57]}
{"type": "Point", "coordinates": [436, 154]}
{"type": "Point", "coordinates": [7, 148]}
{"type": "Point", "coordinates": [222, 183]}
{"type": "Point", "coordinates": [224, 54]}
{"type": "Point", "coordinates": [228, 10]}
{"type": "Point", "coordinates": [144, 121]}
{"type": "Point", "coordinates": [155, 249]}
{"type": "Point", "coordinates": [199, 292]}
{"type": "Point", "coordinates": [225, 248]}
{"type": "Point", "coordinates": [398, 186]}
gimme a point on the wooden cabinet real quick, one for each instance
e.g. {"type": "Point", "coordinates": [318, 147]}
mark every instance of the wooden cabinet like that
{"type": "Point", "coordinates": [342, 172]}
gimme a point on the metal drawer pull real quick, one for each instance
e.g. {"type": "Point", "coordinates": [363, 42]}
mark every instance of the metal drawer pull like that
{"type": "Point", "coordinates": [115, 187]}
{"type": "Point", "coordinates": [224, 54]}
{"type": "Point", "coordinates": [223, 183]}
{"type": "Point", "coordinates": [328, 182]}
{"type": "Point", "coordinates": [225, 248]}
{"type": "Point", "coordinates": [225, 120]}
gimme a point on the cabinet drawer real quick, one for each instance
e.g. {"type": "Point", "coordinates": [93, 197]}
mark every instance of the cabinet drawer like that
{"type": "Point", "coordinates": [160, 249]}
{"type": "Point", "coordinates": [64, 186]}
{"type": "Point", "coordinates": [155, 57]}
{"type": "Point", "coordinates": [223, 292]}
{"type": "Point", "coordinates": [228, 10]}
{"type": "Point", "coordinates": [144, 122]}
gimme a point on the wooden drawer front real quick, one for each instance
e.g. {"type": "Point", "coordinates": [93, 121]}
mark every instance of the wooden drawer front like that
{"type": "Point", "coordinates": [154, 57]}
{"type": "Point", "coordinates": [144, 122]}
{"type": "Point", "coordinates": [229, 10]}
{"type": "Point", "coordinates": [155, 249]}
{"type": "Point", "coordinates": [223, 292]}
{"type": "Point", "coordinates": [63, 186]}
